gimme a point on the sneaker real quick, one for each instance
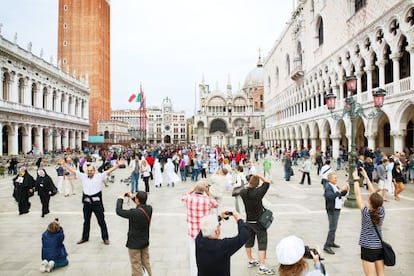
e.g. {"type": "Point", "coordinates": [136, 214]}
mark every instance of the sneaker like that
{"type": "Point", "coordinates": [265, 271]}
{"type": "Point", "coordinates": [50, 266]}
{"type": "Point", "coordinates": [252, 263]}
{"type": "Point", "coordinates": [43, 266]}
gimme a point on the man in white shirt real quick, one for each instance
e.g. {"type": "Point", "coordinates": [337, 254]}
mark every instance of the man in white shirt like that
{"type": "Point", "coordinates": [92, 183]}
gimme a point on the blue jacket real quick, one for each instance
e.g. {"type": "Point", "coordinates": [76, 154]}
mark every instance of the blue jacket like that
{"type": "Point", "coordinates": [53, 247]}
{"type": "Point", "coordinates": [330, 196]}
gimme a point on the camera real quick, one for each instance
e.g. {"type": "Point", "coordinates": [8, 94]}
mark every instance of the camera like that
{"type": "Point", "coordinates": [228, 213]}
{"type": "Point", "coordinates": [57, 219]}
{"type": "Point", "coordinates": [308, 255]}
{"type": "Point", "coordinates": [126, 195]}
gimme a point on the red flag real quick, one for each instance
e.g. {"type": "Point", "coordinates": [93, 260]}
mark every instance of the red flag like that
{"type": "Point", "coordinates": [131, 98]}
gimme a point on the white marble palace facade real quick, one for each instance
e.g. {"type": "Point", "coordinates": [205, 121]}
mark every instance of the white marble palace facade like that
{"type": "Point", "coordinates": [41, 107]}
{"type": "Point", "coordinates": [323, 42]}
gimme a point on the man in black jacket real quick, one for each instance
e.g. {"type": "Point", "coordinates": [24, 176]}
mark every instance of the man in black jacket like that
{"type": "Point", "coordinates": [138, 231]}
{"type": "Point", "coordinates": [333, 203]}
{"type": "Point", "coordinates": [212, 253]}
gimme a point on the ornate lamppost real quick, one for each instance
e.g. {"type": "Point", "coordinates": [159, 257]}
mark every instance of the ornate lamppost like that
{"type": "Point", "coordinates": [353, 110]}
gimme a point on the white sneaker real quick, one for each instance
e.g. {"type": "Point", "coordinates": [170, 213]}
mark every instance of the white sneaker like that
{"type": "Point", "coordinates": [43, 266]}
{"type": "Point", "coordinates": [50, 265]}
{"type": "Point", "coordinates": [265, 271]}
{"type": "Point", "coordinates": [252, 263]}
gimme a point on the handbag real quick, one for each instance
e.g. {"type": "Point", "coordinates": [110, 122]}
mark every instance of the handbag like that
{"type": "Point", "coordinates": [389, 255]}
{"type": "Point", "coordinates": [236, 190]}
{"type": "Point", "coordinates": [265, 219]}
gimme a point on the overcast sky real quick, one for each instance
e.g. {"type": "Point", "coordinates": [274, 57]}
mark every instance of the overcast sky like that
{"type": "Point", "coordinates": [166, 45]}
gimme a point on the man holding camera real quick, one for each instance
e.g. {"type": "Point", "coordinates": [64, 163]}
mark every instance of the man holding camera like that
{"type": "Point", "coordinates": [333, 204]}
{"type": "Point", "coordinates": [213, 253]}
{"type": "Point", "coordinates": [92, 183]}
{"type": "Point", "coordinates": [138, 231]}
{"type": "Point", "coordinates": [199, 203]}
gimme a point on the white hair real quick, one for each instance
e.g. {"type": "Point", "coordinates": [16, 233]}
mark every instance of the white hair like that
{"type": "Point", "coordinates": [208, 225]}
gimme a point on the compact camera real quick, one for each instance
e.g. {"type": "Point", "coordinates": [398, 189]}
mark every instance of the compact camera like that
{"type": "Point", "coordinates": [308, 255]}
{"type": "Point", "coordinates": [126, 194]}
{"type": "Point", "coordinates": [228, 213]}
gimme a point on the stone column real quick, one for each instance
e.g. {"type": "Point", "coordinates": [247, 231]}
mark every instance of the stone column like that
{"type": "Point", "coordinates": [39, 140]}
{"type": "Point", "coordinates": [368, 70]}
{"type": "Point", "coordinates": [72, 140]}
{"type": "Point", "coordinates": [305, 143]}
{"type": "Point", "coordinates": [58, 102]}
{"type": "Point", "coordinates": [1, 92]}
{"type": "Point", "coordinates": [13, 143]}
{"type": "Point", "coordinates": [27, 92]}
{"type": "Point", "coordinates": [371, 140]}
{"type": "Point", "coordinates": [298, 144]}
{"type": "Point", "coordinates": [335, 146]}
{"type": "Point", "coordinates": [396, 71]}
{"type": "Point", "coordinates": [381, 67]}
{"type": "Point", "coordinates": [27, 142]}
{"type": "Point", "coordinates": [313, 143]}
{"type": "Point", "coordinates": [410, 48]}
{"type": "Point", "coordinates": [399, 137]}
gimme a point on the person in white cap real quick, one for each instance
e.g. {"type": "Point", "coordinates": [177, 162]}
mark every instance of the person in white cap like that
{"type": "Point", "coordinates": [290, 252]}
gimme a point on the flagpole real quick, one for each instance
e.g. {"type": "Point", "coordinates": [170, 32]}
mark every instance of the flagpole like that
{"type": "Point", "coordinates": [195, 98]}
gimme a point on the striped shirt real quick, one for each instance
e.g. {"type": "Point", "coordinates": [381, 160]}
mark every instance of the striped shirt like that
{"type": "Point", "coordinates": [369, 238]}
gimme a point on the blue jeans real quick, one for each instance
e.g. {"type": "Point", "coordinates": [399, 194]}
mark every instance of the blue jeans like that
{"type": "Point", "coordinates": [134, 182]}
{"type": "Point", "coordinates": [287, 173]}
{"type": "Point", "coordinates": [194, 175]}
{"type": "Point", "coordinates": [183, 174]}
{"type": "Point", "coordinates": [333, 217]}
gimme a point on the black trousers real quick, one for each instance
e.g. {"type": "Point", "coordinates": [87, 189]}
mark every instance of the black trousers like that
{"type": "Point", "coordinates": [98, 209]}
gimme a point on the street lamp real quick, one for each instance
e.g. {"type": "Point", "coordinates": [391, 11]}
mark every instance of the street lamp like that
{"type": "Point", "coordinates": [353, 110]}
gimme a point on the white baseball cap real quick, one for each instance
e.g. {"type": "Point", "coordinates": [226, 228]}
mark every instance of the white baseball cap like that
{"type": "Point", "coordinates": [290, 250]}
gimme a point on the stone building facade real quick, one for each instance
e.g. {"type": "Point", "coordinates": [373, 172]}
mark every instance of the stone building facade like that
{"type": "Point", "coordinates": [84, 49]}
{"type": "Point", "coordinates": [160, 125]}
{"type": "Point", "coordinates": [324, 42]}
{"type": "Point", "coordinates": [231, 118]}
{"type": "Point", "coordinates": [41, 107]}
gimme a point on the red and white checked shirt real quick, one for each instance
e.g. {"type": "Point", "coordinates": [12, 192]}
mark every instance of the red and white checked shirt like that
{"type": "Point", "coordinates": [198, 206]}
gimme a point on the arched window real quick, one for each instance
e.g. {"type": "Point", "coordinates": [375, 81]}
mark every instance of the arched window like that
{"type": "Point", "coordinates": [319, 27]}
{"type": "Point", "coordinates": [277, 76]}
{"type": "Point", "coordinates": [34, 94]}
{"type": "Point", "coordinates": [6, 80]}
{"type": "Point", "coordinates": [359, 4]}
{"type": "Point", "coordinates": [388, 66]}
{"type": "Point", "coordinates": [405, 59]}
{"type": "Point", "coordinates": [54, 100]}
{"type": "Point", "coordinates": [20, 94]}
{"type": "Point", "coordinates": [44, 103]}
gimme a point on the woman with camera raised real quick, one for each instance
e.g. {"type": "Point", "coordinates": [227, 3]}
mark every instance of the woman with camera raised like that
{"type": "Point", "coordinates": [372, 217]}
{"type": "Point", "coordinates": [291, 253]}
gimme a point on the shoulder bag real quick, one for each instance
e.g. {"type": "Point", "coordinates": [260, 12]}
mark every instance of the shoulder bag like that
{"type": "Point", "coordinates": [389, 255]}
{"type": "Point", "coordinates": [266, 218]}
{"type": "Point", "coordinates": [146, 215]}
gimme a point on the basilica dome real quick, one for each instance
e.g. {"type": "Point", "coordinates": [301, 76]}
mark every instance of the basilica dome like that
{"type": "Point", "coordinates": [255, 76]}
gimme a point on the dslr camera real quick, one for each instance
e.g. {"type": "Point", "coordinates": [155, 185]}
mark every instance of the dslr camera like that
{"type": "Point", "coordinates": [308, 255]}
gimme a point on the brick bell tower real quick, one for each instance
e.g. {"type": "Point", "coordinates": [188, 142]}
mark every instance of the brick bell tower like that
{"type": "Point", "coordinates": [84, 51]}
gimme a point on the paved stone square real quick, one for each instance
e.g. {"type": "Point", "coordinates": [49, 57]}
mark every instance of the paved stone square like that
{"type": "Point", "coordinates": [298, 209]}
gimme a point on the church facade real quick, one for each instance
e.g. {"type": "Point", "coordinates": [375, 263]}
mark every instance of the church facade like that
{"type": "Point", "coordinates": [323, 43]}
{"type": "Point", "coordinates": [231, 117]}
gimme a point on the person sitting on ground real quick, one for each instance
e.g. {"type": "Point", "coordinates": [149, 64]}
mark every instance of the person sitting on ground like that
{"type": "Point", "coordinates": [213, 253]}
{"type": "Point", "coordinates": [54, 253]}
{"type": "Point", "coordinates": [290, 252]}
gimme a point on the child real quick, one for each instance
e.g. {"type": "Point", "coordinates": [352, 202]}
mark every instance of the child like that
{"type": "Point", "coordinates": [53, 250]}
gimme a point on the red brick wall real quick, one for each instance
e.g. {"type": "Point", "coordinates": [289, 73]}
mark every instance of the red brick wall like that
{"type": "Point", "coordinates": [88, 51]}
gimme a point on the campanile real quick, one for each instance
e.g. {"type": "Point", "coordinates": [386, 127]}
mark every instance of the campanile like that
{"type": "Point", "coordinates": [84, 50]}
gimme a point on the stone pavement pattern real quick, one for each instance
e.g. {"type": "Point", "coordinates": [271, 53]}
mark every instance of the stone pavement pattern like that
{"type": "Point", "coordinates": [298, 209]}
